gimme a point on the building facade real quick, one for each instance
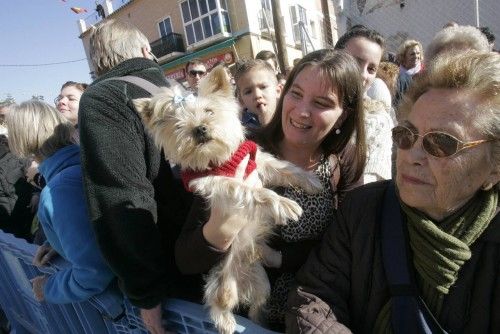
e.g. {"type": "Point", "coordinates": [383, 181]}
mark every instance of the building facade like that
{"type": "Point", "coordinates": [218, 30]}
{"type": "Point", "coordinates": [399, 20]}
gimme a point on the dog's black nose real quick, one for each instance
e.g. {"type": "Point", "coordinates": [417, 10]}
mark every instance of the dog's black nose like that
{"type": "Point", "coordinates": [200, 130]}
{"type": "Point", "coordinates": [201, 133]}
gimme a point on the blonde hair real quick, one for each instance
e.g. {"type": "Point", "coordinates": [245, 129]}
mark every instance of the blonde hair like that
{"type": "Point", "coordinates": [409, 43]}
{"type": "Point", "coordinates": [113, 42]}
{"type": "Point", "coordinates": [37, 129]}
{"type": "Point", "coordinates": [459, 37]}
{"type": "Point", "coordinates": [477, 72]}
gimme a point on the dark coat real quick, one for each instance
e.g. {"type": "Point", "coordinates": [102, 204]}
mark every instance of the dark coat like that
{"type": "Point", "coordinates": [403, 83]}
{"type": "Point", "coordinates": [15, 194]}
{"type": "Point", "coordinates": [343, 281]}
{"type": "Point", "coordinates": [136, 205]}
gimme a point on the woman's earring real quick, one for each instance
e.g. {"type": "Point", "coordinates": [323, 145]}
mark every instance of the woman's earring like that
{"type": "Point", "coordinates": [337, 131]}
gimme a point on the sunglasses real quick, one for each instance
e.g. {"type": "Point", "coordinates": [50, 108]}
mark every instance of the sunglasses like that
{"type": "Point", "coordinates": [435, 143]}
{"type": "Point", "coordinates": [194, 73]}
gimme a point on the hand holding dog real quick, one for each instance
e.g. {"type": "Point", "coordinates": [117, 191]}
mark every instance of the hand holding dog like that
{"type": "Point", "coordinates": [38, 285]}
{"type": "Point", "coordinates": [152, 319]}
{"type": "Point", "coordinates": [220, 231]}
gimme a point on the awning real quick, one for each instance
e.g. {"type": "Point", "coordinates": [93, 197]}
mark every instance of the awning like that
{"type": "Point", "coordinates": [199, 54]}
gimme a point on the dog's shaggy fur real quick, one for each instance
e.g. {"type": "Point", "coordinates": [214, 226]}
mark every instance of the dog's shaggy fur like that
{"type": "Point", "coordinates": [200, 134]}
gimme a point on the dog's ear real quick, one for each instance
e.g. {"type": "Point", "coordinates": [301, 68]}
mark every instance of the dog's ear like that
{"type": "Point", "coordinates": [143, 108]}
{"type": "Point", "coordinates": [217, 81]}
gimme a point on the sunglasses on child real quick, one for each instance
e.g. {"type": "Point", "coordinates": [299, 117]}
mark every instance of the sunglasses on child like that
{"type": "Point", "coordinates": [436, 143]}
{"type": "Point", "coordinates": [194, 73]}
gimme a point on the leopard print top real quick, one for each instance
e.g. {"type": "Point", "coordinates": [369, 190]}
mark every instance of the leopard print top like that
{"type": "Point", "coordinates": [318, 214]}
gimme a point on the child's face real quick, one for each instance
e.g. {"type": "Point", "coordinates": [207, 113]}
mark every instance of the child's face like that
{"type": "Point", "coordinates": [259, 92]}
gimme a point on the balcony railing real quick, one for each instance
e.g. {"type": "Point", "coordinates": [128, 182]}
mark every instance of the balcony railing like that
{"type": "Point", "coordinates": [168, 44]}
{"type": "Point", "coordinates": [117, 4]}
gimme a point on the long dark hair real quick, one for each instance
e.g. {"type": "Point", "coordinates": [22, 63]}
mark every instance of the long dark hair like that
{"type": "Point", "coordinates": [342, 72]}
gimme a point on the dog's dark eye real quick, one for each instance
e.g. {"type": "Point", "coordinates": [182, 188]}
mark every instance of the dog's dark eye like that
{"type": "Point", "coordinates": [209, 111]}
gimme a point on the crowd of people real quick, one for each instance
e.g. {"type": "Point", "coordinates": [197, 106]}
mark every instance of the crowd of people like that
{"type": "Point", "coordinates": [404, 235]}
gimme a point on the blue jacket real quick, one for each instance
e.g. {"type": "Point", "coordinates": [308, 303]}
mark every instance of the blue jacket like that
{"type": "Point", "coordinates": [62, 211]}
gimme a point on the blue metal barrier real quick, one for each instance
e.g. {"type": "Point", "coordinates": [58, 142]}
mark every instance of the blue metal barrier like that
{"type": "Point", "coordinates": [106, 313]}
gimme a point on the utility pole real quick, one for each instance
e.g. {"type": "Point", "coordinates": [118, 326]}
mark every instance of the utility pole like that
{"type": "Point", "coordinates": [327, 23]}
{"type": "Point", "coordinates": [476, 5]}
{"type": "Point", "coordinates": [280, 35]}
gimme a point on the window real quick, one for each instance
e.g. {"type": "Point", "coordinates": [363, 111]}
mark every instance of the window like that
{"type": "Point", "coordinates": [313, 29]}
{"type": "Point", "coordinates": [299, 17]}
{"type": "Point", "coordinates": [204, 18]}
{"type": "Point", "coordinates": [203, 7]}
{"type": "Point", "coordinates": [193, 6]}
{"type": "Point", "coordinates": [212, 5]}
{"type": "Point", "coordinates": [165, 27]}
{"type": "Point", "coordinates": [186, 16]}
{"type": "Point", "coordinates": [266, 13]}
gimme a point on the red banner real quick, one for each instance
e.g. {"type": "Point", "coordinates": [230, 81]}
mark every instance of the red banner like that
{"type": "Point", "coordinates": [226, 58]}
{"type": "Point", "coordinates": [176, 75]}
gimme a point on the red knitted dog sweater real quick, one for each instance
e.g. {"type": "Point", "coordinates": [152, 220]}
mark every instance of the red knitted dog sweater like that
{"type": "Point", "coordinates": [228, 168]}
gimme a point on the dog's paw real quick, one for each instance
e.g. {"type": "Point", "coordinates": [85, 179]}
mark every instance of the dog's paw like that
{"type": "Point", "coordinates": [288, 209]}
{"type": "Point", "coordinates": [200, 187]}
{"type": "Point", "coordinates": [225, 323]}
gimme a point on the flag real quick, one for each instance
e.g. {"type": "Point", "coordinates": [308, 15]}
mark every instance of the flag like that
{"type": "Point", "coordinates": [78, 10]}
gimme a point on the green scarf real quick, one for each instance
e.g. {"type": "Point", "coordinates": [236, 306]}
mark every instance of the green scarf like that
{"type": "Point", "coordinates": [440, 249]}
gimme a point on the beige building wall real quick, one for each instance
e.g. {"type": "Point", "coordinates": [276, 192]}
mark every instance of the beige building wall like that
{"type": "Point", "coordinates": [146, 14]}
{"type": "Point", "coordinates": [249, 37]}
{"type": "Point", "coordinates": [420, 20]}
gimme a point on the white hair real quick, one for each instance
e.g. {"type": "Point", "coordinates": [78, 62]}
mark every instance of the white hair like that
{"type": "Point", "coordinates": [457, 38]}
{"type": "Point", "coordinates": [113, 42]}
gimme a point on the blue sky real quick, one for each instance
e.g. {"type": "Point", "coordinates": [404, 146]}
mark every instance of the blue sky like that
{"type": "Point", "coordinates": [39, 32]}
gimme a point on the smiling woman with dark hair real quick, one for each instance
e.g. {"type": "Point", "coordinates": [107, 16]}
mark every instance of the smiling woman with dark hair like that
{"type": "Point", "coordinates": [422, 252]}
{"type": "Point", "coordinates": [316, 117]}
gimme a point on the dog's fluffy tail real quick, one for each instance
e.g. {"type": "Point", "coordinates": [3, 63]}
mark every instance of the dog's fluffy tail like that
{"type": "Point", "coordinates": [223, 319]}
{"type": "Point", "coordinates": [221, 296]}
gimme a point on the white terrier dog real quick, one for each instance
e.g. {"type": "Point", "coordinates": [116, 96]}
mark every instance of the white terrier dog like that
{"type": "Point", "coordinates": [204, 136]}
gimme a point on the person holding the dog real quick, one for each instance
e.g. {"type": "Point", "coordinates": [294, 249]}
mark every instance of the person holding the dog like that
{"type": "Point", "coordinates": [136, 205]}
{"type": "Point", "coordinates": [312, 127]}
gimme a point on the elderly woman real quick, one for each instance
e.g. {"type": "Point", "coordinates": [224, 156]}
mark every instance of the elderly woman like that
{"type": "Point", "coordinates": [62, 210]}
{"type": "Point", "coordinates": [445, 207]}
{"type": "Point", "coordinates": [456, 39]}
{"type": "Point", "coordinates": [410, 56]}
